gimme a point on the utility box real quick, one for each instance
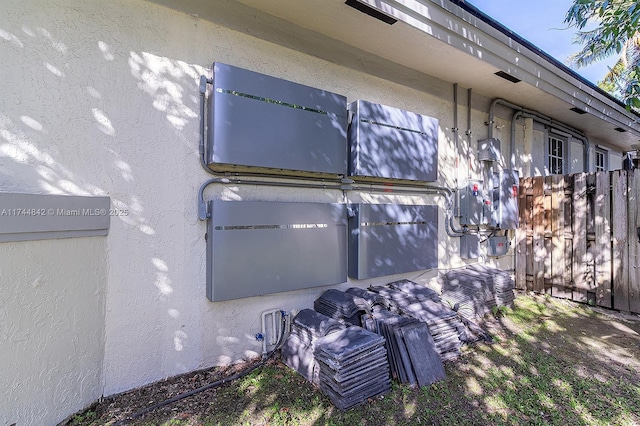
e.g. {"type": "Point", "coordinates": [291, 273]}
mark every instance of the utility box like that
{"type": "Point", "coordinates": [506, 184]}
{"type": "Point", "coordinates": [489, 149]}
{"type": "Point", "coordinates": [387, 239]}
{"type": "Point", "coordinates": [256, 121]}
{"type": "Point", "coordinates": [469, 246]}
{"type": "Point", "coordinates": [390, 143]}
{"type": "Point", "coordinates": [497, 246]}
{"type": "Point", "coordinates": [472, 204]}
{"type": "Point", "coordinates": [263, 247]}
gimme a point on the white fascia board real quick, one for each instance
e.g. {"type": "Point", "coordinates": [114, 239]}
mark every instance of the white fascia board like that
{"type": "Point", "coordinates": [475, 37]}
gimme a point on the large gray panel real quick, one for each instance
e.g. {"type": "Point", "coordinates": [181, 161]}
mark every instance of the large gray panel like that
{"type": "Point", "coordinates": [386, 239]}
{"type": "Point", "coordinates": [387, 142]}
{"type": "Point", "coordinates": [506, 185]}
{"type": "Point", "coordinates": [257, 248]}
{"type": "Point", "coordinates": [40, 216]}
{"type": "Point", "coordinates": [260, 121]}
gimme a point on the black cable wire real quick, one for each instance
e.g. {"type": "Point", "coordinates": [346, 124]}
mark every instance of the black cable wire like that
{"type": "Point", "coordinates": [207, 386]}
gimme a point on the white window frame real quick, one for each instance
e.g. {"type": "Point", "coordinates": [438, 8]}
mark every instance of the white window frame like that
{"type": "Point", "coordinates": [555, 154]}
{"type": "Point", "coordinates": [603, 155]}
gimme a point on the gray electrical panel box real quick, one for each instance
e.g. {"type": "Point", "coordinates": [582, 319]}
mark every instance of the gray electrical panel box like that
{"type": "Point", "coordinates": [489, 149]}
{"type": "Point", "coordinates": [497, 246]}
{"type": "Point", "coordinates": [256, 248]}
{"type": "Point", "coordinates": [472, 204]}
{"type": "Point", "coordinates": [469, 246]}
{"type": "Point", "coordinates": [506, 184]}
{"type": "Point", "coordinates": [386, 239]}
{"type": "Point", "coordinates": [258, 121]}
{"type": "Point", "coordinates": [390, 143]}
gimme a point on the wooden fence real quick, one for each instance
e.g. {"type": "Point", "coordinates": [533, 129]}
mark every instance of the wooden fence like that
{"type": "Point", "coordinates": [578, 238]}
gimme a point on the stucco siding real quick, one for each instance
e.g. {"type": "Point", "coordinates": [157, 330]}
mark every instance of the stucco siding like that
{"type": "Point", "coordinates": [52, 322]}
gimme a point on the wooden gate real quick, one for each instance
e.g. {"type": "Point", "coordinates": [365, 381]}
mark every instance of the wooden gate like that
{"type": "Point", "coordinates": [578, 238]}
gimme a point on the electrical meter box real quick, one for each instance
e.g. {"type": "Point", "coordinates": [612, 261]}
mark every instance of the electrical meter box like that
{"type": "Point", "coordinates": [472, 204]}
{"type": "Point", "coordinates": [498, 246]}
{"type": "Point", "coordinates": [488, 149]}
{"type": "Point", "coordinates": [506, 184]}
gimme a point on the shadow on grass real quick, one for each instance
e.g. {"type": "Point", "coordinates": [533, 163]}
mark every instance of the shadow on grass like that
{"type": "Point", "coordinates": [553, 362]}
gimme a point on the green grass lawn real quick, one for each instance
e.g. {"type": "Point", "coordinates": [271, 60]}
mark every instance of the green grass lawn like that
{"type": "Point", "coordinates": [553, 362]}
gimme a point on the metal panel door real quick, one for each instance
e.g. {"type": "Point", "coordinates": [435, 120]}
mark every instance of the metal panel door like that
{"type": "Point", "coordinates": [391, 143]}
{"type": "Point", "coordinates": [258, 121]}
{"type": "Point", "coordinates": [386, 239]}
{"type": "Point", "coordinates": [257, 247]}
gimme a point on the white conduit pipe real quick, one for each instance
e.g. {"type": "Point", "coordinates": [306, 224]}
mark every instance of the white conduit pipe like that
{"type": "Point", "coordinates": [527, 113]}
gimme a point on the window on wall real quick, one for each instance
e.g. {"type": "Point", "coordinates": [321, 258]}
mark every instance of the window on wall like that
{"type": "Point", "coordinates": [556, 155]}
{"type": "Point", "coordinates": [601, 160]}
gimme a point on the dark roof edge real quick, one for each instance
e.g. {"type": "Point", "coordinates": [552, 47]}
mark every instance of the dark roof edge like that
{"type": "Point", "coordinates": [506, 31]}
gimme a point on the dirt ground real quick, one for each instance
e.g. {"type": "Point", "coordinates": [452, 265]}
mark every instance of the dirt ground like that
{"type": "Point", "coordinates": [541, 336]}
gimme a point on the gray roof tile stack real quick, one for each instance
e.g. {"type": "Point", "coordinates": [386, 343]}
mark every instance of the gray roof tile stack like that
{"type": "Point", "coordinates": [444, 324]}
{"type": "Point", "coordinates": [297, 352]}
{"type": "Point", "coordinates": [353, 366]}
{"type": "Point", "coordinates": [342, 306]}
{"type": "Point", "coordinates": [477, 289]}
{"type": "Point", "coordinates": [500, 281]}
{"type": "Point", "coordinates": [411, 351]}
{"type": "Point", "coordinates": [376, 302]}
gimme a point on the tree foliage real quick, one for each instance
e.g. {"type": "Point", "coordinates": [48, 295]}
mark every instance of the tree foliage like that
{"type": "Point", "coordinates": [615, 32]}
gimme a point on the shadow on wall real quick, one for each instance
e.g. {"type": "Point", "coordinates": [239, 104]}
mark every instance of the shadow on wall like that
{"type": "Point", "coordinates": [93, 123]}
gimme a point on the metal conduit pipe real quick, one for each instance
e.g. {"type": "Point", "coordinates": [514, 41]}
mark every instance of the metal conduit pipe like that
{"type": "Point", "coordinates": [456, 138]}
{"type": "Point", "coordinates": [512, 141]}
{"type": "Point", "coordinates": [204, 214]}
{"type": "Point", "coordinates": [549, 122]}
{"type": "Point", "coordinates": [468, 132]}
{"type": "Point", "coordinates": [541, 118]}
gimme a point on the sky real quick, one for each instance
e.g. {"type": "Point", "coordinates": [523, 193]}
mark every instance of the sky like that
{"type": "Point", "coordinates": [541, 23]}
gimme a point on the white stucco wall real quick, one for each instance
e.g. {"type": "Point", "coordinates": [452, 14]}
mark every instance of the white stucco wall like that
{"type": "Point", "coordinates": [52, 316]}
{"type": "Point", "coordinates": [102, 98]}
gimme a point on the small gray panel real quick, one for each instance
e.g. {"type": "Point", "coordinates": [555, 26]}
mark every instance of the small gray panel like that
{"type": "Point", "coordinates": [506, 185]}
{"type": "Point", "coordinates": [498, 246]}
{"type": "Point", "coordinates": [26, 217]}
{"type": "Point", "coordinates": [469, 246]}
{"type": "Point", "coordinates": [472, 204]}
{"type": "Point", "coordinates": [257, 248]}
{"type": "Point", "coordinates": [258, 121]}
{"type": "Point", "coordinates": [489, 149]}
{"type": "Point", "coordinates": [386, 239]}
{"type": "Point", "coordinates": [391, 143]}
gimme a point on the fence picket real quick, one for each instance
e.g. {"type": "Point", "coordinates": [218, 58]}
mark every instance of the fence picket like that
{"type": "Point", "coordinates": [602, 253]}
{"type": "Point", "coordinates": [634, 243]}
{"type": "Point", "coordinates": [529, 228]}
{"type": "Point", "coordinates": [539, 251]}
{"type": "Point", "coordinates": [521, 236]}
{"type": "Point", "coordinates": [556, 254]}
{"type": "Point", "coordinates": [580, 238]}
{"type": "Point", "coordinates": [620, 231]}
